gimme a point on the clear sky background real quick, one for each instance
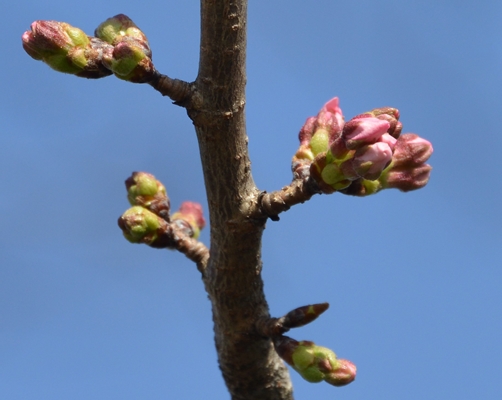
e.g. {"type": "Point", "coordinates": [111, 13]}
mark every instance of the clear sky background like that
{"type": "Point", "coordinates": [414, 280]}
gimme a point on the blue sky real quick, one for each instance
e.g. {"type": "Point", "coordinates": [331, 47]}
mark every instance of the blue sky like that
{"type": "Point", "coordinates": [414, 280]}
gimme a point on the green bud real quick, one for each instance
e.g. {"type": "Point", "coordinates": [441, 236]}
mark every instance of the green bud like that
{"type": "Point", "coordinates": [145, 190]}
{"type": "Point", "coordinates": [327, 174]}
{"type": "Point", "coordinates": [142, 226]}
{"type": "Point", "coordinates": [66, 49]}
{"type": "Point", "coordinates": [114, 29]}
{"type": "Point", "coordinates": [320, 141]}
{"type": "Point", "coordinates": [130, 61]}
{"type": "Point", "coordinates": [314, 363]}
{"type": "Point", "coordinates": [312, 374]}
{"type": "Point", "coordinates": [303, 356]}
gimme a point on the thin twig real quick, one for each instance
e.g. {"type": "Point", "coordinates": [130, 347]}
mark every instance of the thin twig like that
{"type": "Point", "coordinates": [176, 89]}
{"type": "Point", "coordinates": [272, 204]}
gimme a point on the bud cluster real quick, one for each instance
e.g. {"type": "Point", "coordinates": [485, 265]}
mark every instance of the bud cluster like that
{"type": "Point", "coordinates": [119, 47]}
{"type": "Point", "coordinates": [362, 156]}
{"type": "Point", "coordinates": [131, 58]}
{"type": "Point", "coordinates": [315, 363]}
{"type": "Point", "coordinates": [149, 221]}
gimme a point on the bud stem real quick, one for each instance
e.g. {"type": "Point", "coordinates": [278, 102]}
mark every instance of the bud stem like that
{"type": "Point", "coordinates": [270, 205]}
{"type": "Point", "coordinates": [176, 89]}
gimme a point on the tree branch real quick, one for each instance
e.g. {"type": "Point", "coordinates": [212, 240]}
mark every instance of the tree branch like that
{"type": "Point", "coordinates": [250, 366]}
{"type": "Point", "coordinates": [176, 89]}
{"type": "Point", "coordinates": [272, 204]}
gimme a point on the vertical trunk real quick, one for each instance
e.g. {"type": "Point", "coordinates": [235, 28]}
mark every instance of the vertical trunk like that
{"type": "Point", "coordinates": [250, 366]}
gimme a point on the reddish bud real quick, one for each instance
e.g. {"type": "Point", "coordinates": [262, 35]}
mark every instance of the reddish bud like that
{"type": "Point", "coordinates": [303, 315]}
{"type": "Point", "coordinates": [343, 374]}
{"type": "Point", "coordinates": [411, 150]}
{"type": "Point", "coordinates": [190, 213]}
{"type": "Point", "coordinates": [361, 131]}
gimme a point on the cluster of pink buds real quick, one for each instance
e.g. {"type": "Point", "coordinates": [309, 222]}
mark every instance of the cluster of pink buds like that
{"type": "Point", "coordinates": [119, 47]}
{"type": "Point", "coordinates": [362, 156]}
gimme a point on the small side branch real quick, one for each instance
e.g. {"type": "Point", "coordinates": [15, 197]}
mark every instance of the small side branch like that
{"type": "Point", "coordinates": [176, 89]}
{"type": "Point", "coordinates": [272, 204]}
{"type": "Point", "coordinates": [191, 248]}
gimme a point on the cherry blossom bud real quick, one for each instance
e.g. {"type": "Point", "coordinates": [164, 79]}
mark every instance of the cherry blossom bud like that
{"type": "Point", "coordinates": [145, 190]}
{"type": "Point", "coordinates": [344, 374]}
{"type": "Point", "coordinates": [114, 29]}
{"type": "Point", "coordinates": [130, 61]}
{"type": "Point", "coordinates": [314, 363]}
{"type": "Point", "coordinates": [331, 114]}
{"type": "Point", "coordinates": [190, 218]}
{"type": "Point", "coordinates": [66, 49]}
{"type": "Point", "coordinates": [408, 170]}
{"type": "Point", "coordinates": [361, 131]}
{"type": "Point", "coordinates": [406, 179]}
{"type": "Point", "coordinates": [389, 140]}
{"type": "Point", "coordinates": [142, 226]}
{"type": "Point", "coordinates": [307, 131]}
{"type": "Point", "coordinates": [328, 175]}
{"type": "Point", "coordinates": [411, 150]}
{"type": "Point", "coordinates": [369, 161]}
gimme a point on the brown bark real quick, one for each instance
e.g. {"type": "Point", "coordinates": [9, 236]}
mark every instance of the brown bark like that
{"type": "Point", "coordinates": [250, 366]}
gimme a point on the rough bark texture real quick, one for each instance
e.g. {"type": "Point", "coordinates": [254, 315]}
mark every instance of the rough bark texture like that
{"type": "Point", "coordinates": [250, 366]}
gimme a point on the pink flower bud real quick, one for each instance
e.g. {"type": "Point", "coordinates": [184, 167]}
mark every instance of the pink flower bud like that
{"type": "Point", "coordinates": [390, 140]}
{"type": "Point", "coordinates": [371, 160]}
{"type": "Point", "coordinates": [307, 131]}
{"type": "Point", "coordinates": [330, 118]}
{"type": "Point", "coordinates": [190, 213]}
{"type": "Point", "coordinates": [406, 178]}
{"type": "Point", "coordinates": [411, 151]}
{"type": "Point", "coordinates": [344, 374]}
{"type": "Point", "coordinates": [333, 107]}
{"type": "Point", "coordinates": [363, 130]}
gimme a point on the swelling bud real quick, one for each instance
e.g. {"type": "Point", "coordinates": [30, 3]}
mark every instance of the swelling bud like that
{"type": "Point", "coordinates": [315, 363]}
{"type": "Point", "coordinates": [142, 226]}
{"type": "Point", "coordinates": [190, 219]}
{"type": "Point", "coordinates": [143, 189]}
{"type": "Point", "coordinates": [66, 49]}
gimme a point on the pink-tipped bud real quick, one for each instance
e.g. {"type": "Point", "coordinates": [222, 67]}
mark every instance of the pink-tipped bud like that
{"type": "Point", "coordinates": [66, 49]}
{"type": "Point", "coordinates": [369, 161]}
{"type": "Point", "coordinates": [330, 118]}
{"type": "Point", "coordinates": [343, 374]}
{"type": "Point", "coordinates": [361, 131]}
{"type": "Point", "coordinates": [307, 131]}
{"type": "Point", "coordinates": [406, 179]}
{"type": "Point", "coordinates": [411, 151]}
{"type": "Point", "coordinates": [314, 363]}
{"type": "Point", "coordinates": [190, 216]}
